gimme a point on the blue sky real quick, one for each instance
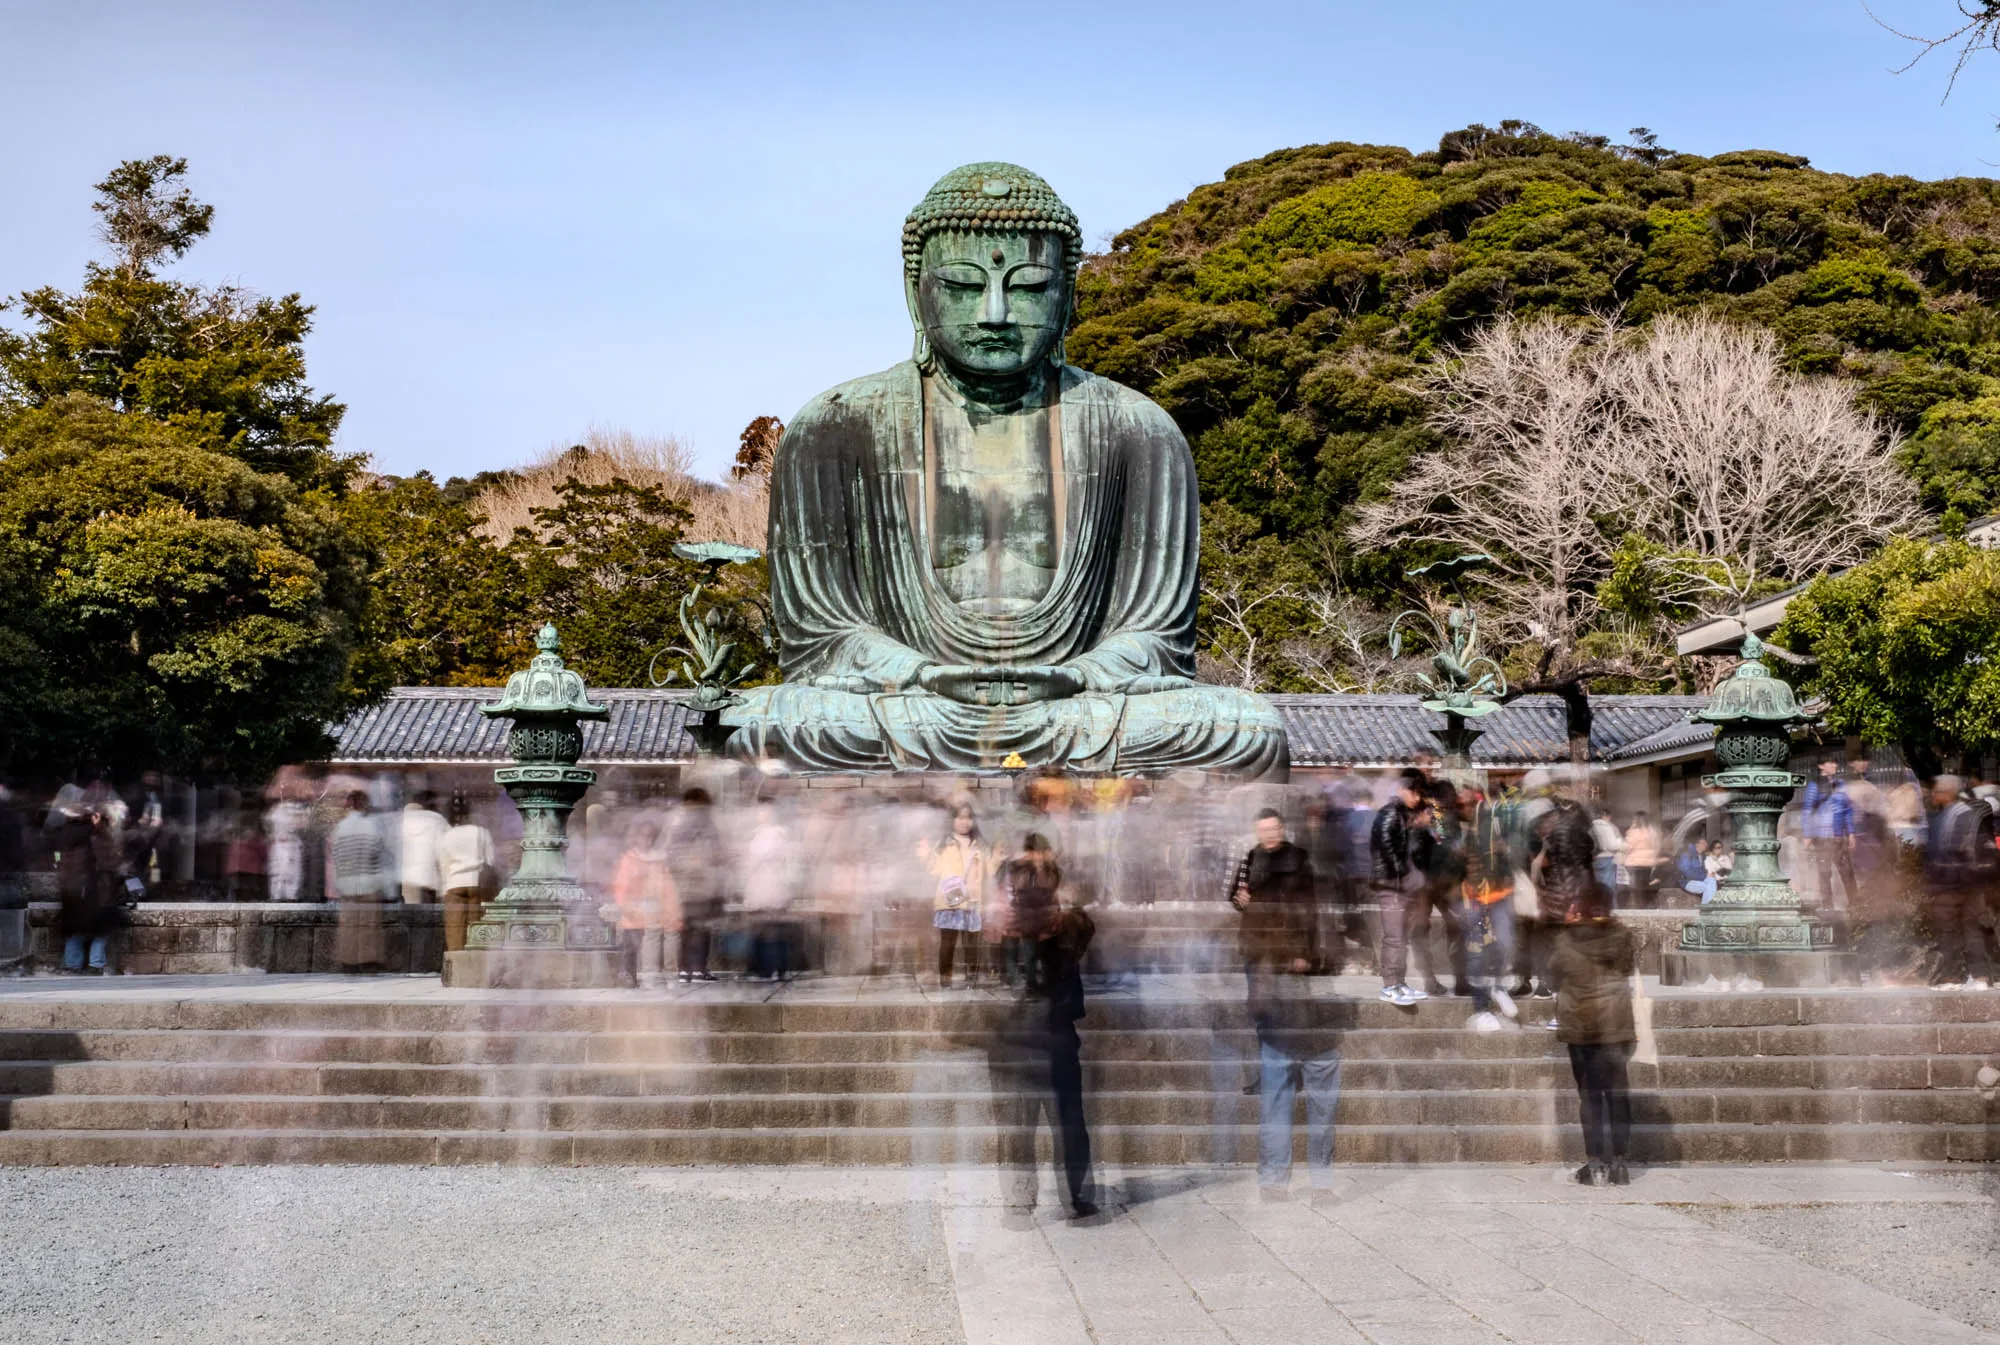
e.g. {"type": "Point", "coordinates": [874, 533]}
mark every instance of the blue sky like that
{"type": "Point", "coordinates": [521, 220]}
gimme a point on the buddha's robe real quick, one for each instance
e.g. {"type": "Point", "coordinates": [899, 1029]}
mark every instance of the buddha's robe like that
{"type": "Point", "coordinates": [859, 608]}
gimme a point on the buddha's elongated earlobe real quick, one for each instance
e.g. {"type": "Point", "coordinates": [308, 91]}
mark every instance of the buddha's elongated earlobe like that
{"type": "Point", "coordinates": [921, 350]}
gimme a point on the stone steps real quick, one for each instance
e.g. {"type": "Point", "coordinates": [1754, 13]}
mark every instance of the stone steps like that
{"type": "Point", "coordinates": [407, 1075]}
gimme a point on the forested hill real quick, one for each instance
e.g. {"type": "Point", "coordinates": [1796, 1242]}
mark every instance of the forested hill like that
{"type": "Point", "coordinates": [1279, 313]}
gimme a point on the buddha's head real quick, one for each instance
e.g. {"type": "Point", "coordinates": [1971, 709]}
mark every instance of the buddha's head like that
{"type": "Point", "coordinates": [989, 265]}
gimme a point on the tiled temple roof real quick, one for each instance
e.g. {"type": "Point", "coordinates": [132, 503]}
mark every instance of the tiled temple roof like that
{"type": "Point", "coordinates": [443, 724]}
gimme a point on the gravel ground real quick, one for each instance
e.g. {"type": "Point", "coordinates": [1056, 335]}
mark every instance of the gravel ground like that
{"type": "Point", "coordinates": [1943, 1256]}
{"type": "Point", "coordinates": [446, 1256]}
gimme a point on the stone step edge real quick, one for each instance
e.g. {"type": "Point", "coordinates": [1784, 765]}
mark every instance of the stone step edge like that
{"type": "Point", "coordinates": [1552, 1059]}
{"type": "Point", "coordinates": [1154, 1146]}
{"type": "Point", "coordinates": [1788, 1092]}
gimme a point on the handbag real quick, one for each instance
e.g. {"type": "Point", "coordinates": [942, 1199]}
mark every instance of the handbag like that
{"type": "Point", "coordinates": [1646, 1049]}
{"type": "Point", "coordinates": [1527, 901]}
{"type": "Point", "coordinates": [951, 891]}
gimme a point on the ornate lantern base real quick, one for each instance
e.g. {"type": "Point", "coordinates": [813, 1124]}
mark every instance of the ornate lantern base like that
{"type": "Point", "coordinates": [1754, 925]}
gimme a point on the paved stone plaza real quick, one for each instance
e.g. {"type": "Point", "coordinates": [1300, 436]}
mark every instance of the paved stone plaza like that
{"type": "Point", "coordinates": [1464, 1256]}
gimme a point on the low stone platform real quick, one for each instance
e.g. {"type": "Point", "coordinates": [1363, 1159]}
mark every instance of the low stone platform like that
{"type": "Point", "coordinates": [194, 938]}
{"type": "Point", "coordinates": [217, 938]}
{"type": "Point", "coordinates": [884, 1070]}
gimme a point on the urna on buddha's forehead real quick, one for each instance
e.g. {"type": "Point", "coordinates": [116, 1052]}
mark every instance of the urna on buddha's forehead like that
{"type": "Point", "coordinates": [990, 198]}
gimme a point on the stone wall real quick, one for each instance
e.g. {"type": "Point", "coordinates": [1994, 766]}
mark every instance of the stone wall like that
{"type": "Point", "coordinates": [199, 938]}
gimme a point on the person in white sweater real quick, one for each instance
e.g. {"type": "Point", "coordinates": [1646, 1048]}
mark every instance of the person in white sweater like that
{"type": "Point", "coordinates": [423, 826]}
{"type": "Point", "coordinates": [465, 872]}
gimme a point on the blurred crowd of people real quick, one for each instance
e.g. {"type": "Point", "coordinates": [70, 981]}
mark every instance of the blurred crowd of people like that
{"type": "Point", "coordinates": [1415, 875]}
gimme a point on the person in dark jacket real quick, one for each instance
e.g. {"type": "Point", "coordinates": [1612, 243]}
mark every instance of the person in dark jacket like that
{"type": "Point", "coordinates": [1562, 860]}
{"type": "Point", "coordinates": [1439, 851]}
{"type": "Point", "coordinates": [1280, 947]}
{"type": "Point", "coordinates": [1593, 961]}
{"type": "Point", "coordinates": [1029, 882]}
{"type": "Point", "coordinates": [700, 872]}
{"type": "Point", "coordinates": [1035, 1061]}
{"type": "Point", "coordinates": [1958, 861]}
{"type": "Point", "coordinates": [1395, 880]}
{"type": "Point", "coordinates": [90, 877]}
{"type": "Point", "coordinates": [1276, 894]}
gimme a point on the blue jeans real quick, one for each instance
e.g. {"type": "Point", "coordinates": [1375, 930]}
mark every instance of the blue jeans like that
{"type": "Point", "coordinates": [1277, 1085]}
{"type": "Point", "coordinates": [1705, 889]}
{"type": "Point", "coordinates": [100, 951]}
{"type": "Point", "coordinates": [1489, 947]}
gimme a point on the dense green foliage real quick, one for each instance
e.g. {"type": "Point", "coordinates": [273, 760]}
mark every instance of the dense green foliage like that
{"type": "Point", "coordinates": [1906, 644]}
{"type": "Point", "coordinates": [179, 588]}
{"type": "Point", "coordinates": [450, 606]}
{"type": "Point", "coordinates": [165, 604]}
{"type": "Point", "coordinates": [1280, 313]}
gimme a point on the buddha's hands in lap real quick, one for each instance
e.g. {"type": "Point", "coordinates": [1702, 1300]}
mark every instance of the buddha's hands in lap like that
{"type": "Point", "coordinates": [988, 685]}
{"type": "Point", "coordinates": [1148, 686]}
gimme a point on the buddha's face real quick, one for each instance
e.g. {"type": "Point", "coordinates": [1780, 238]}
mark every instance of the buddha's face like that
{"type": "Point", "coordinates": [993, 305]}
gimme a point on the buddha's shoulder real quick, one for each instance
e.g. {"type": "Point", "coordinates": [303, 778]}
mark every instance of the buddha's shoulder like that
{"type": "Point", "coordinates": [862, 395]}
{"type": "Point", "coordinates": [1081, 387]}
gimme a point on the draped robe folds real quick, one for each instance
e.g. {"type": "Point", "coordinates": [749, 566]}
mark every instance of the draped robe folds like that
{"type": "Point", "coordinates": [859, 610]}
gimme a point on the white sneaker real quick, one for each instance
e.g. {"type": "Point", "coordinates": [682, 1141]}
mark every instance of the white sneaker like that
{"type": "Point", "coordinates": [1415, 994]}
{"type": "Point", "coordinates": [1505, 1002]}
{"type": "Point", "coordinates": [1389, 995]}
{"type": "Point", "coordinates": [1405, 996]}
{"type": "Point", "coordinates": [1484, 1022]}
{"type": "Point", "coordinates": [1977, 983]}
{"type": "Point", "coordinates": [1550, 1025]}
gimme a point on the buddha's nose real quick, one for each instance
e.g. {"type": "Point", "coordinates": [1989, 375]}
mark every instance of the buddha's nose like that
{"type": "Point", "coordinates": [995, 312]}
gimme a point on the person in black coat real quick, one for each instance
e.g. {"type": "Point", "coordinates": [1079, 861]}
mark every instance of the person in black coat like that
{"type": "Point", "coordinates": [1396, 869]}
{"type": "Point", "coordinates": [89, 879]}
{"type": "Point", "coordinates": [1036, 1065]}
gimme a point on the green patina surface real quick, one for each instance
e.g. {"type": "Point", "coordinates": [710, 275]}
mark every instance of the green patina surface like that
{"type": "Point", "coordinates": [982, 556]}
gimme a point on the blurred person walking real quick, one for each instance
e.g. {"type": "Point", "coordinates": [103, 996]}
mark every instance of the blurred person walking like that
{"type": "Point", "coordinates": [465, 868]}
{"type": "Point", "coordinates": [1903, 809]}
{"type": "Point", "coordinates": [700, 868]}
{"type": "Point", "coordinates": [90, 873]}
{"type": "Point", "coordinates": [1036, 1065]}
{"type": "Point", "coordinates": [1562, 856]}
{"type": "Point", "coordinates": [642, 887]}
{"type": "Point", "coordinates": [1395, 882]}
{"type": "Point", "coordinates": [423, 826]}
{"type": "Point", "coordinates": [1437, 848]}
{"type": "Point", "coordinates": [1642, 862]}
{"type": "Point", "coordinates": [1486, 888]}
{"type": "Point", "coordinates": [771, 880]}
{"type": "Point", "coordinates": [1610, 842]}
{"type": "Point", "coordinates": [1593, 963]}
{"type": "Point", "coordinates": [148, 848]}
{"type": "Point", "coordinates": [1828, 814]}
{"type": "Point", "coordinates": [1691, 867]}
{"type": "Point", "coordinates": [1280, 951]}
{"type": "Point", "coordinates": [1958, 867]}
{"type": "Point", "coordinates": [363, 880]}
{"type": "Point", "coordinates": [1029, 884]}
{"type": "Point", "coordinates": [246, 857]}
{"type": "Point", "coordinates": [962, 868]}
{"type": "Point", "coordinates": [285, 823]}
{"type": "Point", "coordinates": [14, 941]}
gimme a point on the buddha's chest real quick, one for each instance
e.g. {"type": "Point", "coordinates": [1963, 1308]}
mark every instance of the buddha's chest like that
{"type": "Point", "coordinates": [992, 499]}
